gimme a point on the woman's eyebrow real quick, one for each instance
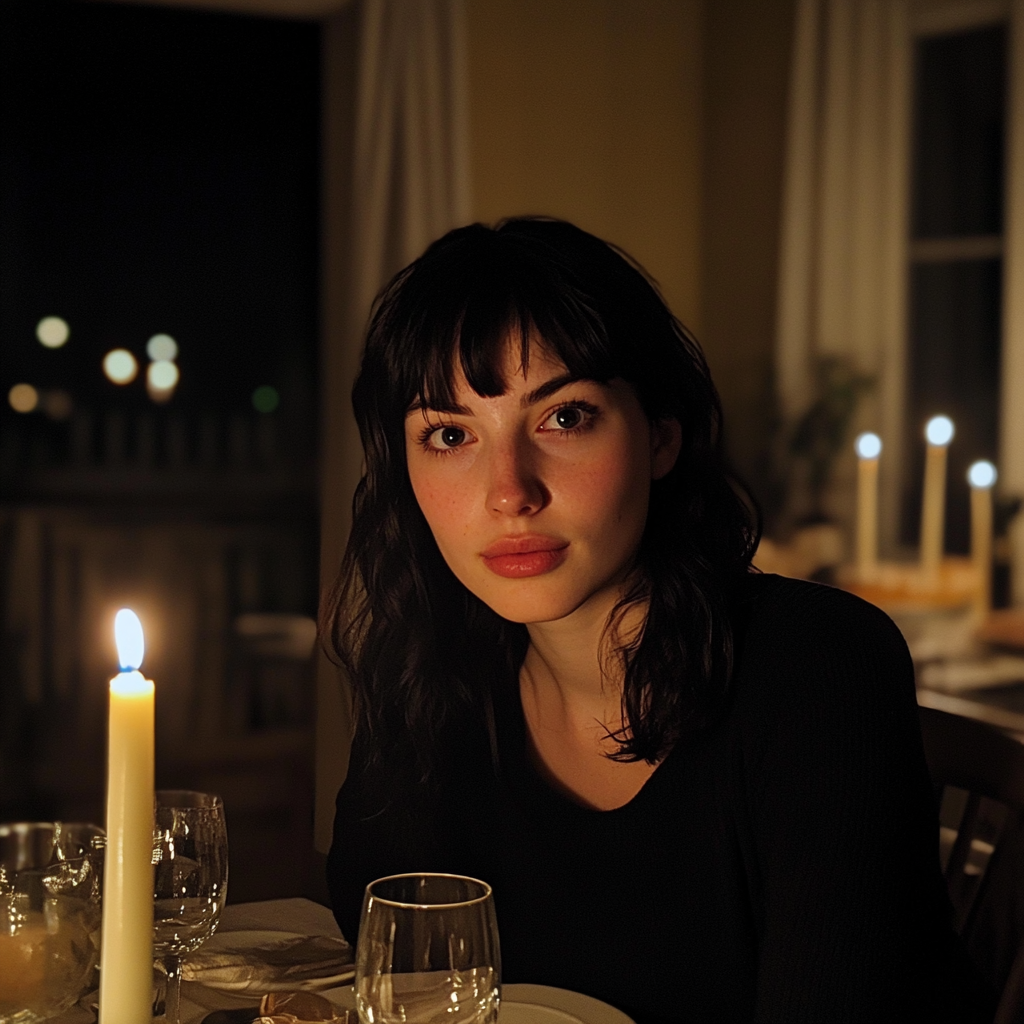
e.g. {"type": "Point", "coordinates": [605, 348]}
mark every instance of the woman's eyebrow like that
{"type": "Point", "coordinates": [548, 388]}
{"type": "Point", "coordinates": [454, 408]}
{"type": "Point", "coordinates": [538, 394]}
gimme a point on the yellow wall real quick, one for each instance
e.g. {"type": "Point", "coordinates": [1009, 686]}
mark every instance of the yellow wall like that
{"type": "Point", "coordinates": [746, 58]}
{"type": "Point", "coordinates": [591, 110]}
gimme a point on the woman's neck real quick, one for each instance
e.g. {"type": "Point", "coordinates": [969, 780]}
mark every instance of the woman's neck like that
{"type": "Point", "coordinates": [571, 690]}
{"type": "Point", "coordinates": [571, 674]}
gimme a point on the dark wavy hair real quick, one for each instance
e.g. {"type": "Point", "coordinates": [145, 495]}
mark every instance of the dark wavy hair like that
{"type": "Point", "coordinates": [420, 649]}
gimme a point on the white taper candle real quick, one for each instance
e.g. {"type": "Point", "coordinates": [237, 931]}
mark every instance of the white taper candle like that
{"type": "Point", "coordinates": [869, 448]}
{"type": "Point", "coordinates": [939, 432]}
{"type": "Point", "coordinates": [982, 476]}
{"type": "Point", "coordinates": [126, 957]}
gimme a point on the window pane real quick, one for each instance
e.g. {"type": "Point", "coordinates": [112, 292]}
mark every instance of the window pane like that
{"type": "Point", "coordinates": [953, 369]}
{"type": "Point", "coordinates": [958, 133]}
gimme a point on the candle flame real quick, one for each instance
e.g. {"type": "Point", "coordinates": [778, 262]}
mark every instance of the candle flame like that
{"type": "Point", "coordinates": [131, 644]}
{"type": "Point", "coordinates": [982, 474]}
{"type": "Point", "coordinates": [939, 431]}
{"type": "Point", "coordinates": [869, 446]}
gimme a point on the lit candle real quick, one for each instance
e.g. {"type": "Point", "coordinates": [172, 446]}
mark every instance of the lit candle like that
{"type": "Point", "coordinates": [126, 957]}
{"type": "Point", "coordinates": [939, 432]}
{"type": "Point", "coordinates": [981, 476]}
{"type": "Point", "coordinates": [869, 447]}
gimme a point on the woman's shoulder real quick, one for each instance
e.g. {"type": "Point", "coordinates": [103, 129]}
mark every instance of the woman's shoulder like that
{"type": "Point", "coordinates": [807, 638]}
{"type": "Point", "coordinates": [768, 604]}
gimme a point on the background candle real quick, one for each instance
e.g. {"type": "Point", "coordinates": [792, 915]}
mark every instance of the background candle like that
{"type": "Point", "coordinates": [982, 476]}
{"type": "Point", "coordinates": [939, 432]}
{"type": "Point", "coordinates": [126, 958]}
{"type": "Point", "coordinates": [869, 447]}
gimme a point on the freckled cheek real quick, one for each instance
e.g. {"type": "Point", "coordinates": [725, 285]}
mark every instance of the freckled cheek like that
{"type": "Point", "coordinates": [614, 486]}
{"type": "Point", "coordinates": [444, 506]}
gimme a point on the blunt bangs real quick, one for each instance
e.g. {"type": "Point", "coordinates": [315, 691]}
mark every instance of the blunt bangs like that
{"type": "Point", "coordinates": [465, 300]}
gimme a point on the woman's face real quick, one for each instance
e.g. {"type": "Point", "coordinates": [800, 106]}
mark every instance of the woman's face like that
{"type": "Point", "coordinates": [537, 498]}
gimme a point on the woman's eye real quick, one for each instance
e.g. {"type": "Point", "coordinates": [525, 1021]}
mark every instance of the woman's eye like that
{"type": "Point", "coordinates": [447, 437]}
{"type": "Point", "coordinates": [569, 417]}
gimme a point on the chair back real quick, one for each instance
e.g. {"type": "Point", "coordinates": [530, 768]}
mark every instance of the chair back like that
{"type": "Point", "coordinates": [978, 775]}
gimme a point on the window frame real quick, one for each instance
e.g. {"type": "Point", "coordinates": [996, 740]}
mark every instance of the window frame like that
{"type": "Point", "coordinates": [926, 18]}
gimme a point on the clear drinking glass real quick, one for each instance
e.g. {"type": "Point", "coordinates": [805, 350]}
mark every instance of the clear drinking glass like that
{"type": "Point", "coordinates": [50, 878]}
{"type": "Point", "coordinates": [190, 880]}
{"type": "Point", "coordinates": [428, 952]}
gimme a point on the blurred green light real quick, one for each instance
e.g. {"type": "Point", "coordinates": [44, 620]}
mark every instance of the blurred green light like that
{"type": "Point", "coordinates": [265, 398]}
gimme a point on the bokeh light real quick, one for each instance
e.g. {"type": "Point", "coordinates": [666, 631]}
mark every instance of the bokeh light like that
{"type": "Point", "coordinates": [162, 347]}
{"type": "Point", "coordinates": [57, 404]}
{"type": "Point", "coordinates": [982, 474]}
{"type": "Point", "coordinates": [939, 431]}
{"type": "Point", "coordinates": [162, 375]}
{"type": "Point", "coordinates": [265, 398]}
{"type": "Point", "coordinates": [869, 446]}
{"type": "Point", "coordinates": [52, 331]}
{"type": "Point", "coordinates": [23, 398]}
{"type": "Point", "coordinates": [120, 366]}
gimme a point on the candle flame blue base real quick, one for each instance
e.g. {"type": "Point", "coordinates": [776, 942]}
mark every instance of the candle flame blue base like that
{"type": "Point", "coordinates": [131, 645]}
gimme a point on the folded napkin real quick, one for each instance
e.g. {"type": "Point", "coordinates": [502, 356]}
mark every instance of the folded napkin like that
{"type": "Point", "coordinates": [288, 963]}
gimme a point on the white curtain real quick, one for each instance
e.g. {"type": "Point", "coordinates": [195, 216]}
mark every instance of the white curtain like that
{"type": "Point", "coordinates": [396, 178]}
{"type": "Point", "coordinates": [411, 173]}
{"type": "Point", "coordinates": [843, 241]}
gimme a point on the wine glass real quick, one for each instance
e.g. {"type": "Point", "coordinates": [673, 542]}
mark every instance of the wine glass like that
{"type": "Point", "coordinates": [190, 880]}
{"type": "Point", "coordinates": [428, 952]}
{"type": "Point", "coordinates": [50, 876]}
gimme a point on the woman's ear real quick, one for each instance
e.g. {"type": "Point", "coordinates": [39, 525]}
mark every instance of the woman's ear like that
{"type": "Point", "coordinates": [666, 440]}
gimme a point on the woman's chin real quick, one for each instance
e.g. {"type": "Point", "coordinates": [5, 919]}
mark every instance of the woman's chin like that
{"type": "Point", "coordinates": [529, 606]}
{"type": "Point", "coordinates": [534, 604]}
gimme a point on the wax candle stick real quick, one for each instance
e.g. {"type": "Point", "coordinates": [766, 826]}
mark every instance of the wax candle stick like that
{"type": "Point", "coordinates": [939, 432]}
{"type": "Point", "coordinates": [126, 956]}
{"type": "Point", "coordinates": [982, 476]}
{"type": "Point", "coordinates": [869, 448]}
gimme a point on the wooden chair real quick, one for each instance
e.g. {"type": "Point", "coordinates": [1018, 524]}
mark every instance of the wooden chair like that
{"type": "Point", "coordinates": [978, 774]}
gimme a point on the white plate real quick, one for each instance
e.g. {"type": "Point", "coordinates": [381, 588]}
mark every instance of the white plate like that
{"type": "Point", "coordinates": [533, 1013]}
{"type": "Point", "coordinates": [240, 941]}
{"type": "Point", "coordinates": [530, 1004]}
{"type": "Point", "coordinates": [542, 1004]}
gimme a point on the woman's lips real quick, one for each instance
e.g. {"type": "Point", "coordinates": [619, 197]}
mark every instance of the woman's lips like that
{"type": "Point", "coordinates": [518, 557]}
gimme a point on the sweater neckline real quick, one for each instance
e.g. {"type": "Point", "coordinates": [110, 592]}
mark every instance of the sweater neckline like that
{"type": "Point", "coordinates": [521, 772]}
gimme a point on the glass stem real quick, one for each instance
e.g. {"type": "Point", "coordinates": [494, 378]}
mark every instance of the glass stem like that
{"type": "Point", "coordinates": [172, 1011]}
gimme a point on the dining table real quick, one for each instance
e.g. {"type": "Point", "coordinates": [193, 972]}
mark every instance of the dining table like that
{"type": "Point", "coordinates": [297, 917]}
{"type": "Point", "coordinates": [294, 916]}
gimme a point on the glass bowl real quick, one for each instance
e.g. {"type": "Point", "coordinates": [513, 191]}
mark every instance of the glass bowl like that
{"type": "Point", "coordinates": [50, 880]}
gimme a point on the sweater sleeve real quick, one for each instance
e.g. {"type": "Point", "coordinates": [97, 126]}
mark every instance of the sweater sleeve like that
{"type": "Point", "coordinates": [856, 922]}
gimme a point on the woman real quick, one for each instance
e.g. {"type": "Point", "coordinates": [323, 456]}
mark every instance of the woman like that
{"type": "Point", "coordinates": [698, 792]}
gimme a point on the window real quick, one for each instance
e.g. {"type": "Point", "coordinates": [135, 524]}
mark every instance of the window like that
{"type": "Point", "coordinates": [954, 306]}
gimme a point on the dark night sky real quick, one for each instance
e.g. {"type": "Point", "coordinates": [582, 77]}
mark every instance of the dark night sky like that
{"type": "Point", "coordinates": [158, 173]}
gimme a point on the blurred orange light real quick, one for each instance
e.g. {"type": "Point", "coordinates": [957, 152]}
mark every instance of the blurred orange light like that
{"type": "Point", "coordinates": [23, 398]}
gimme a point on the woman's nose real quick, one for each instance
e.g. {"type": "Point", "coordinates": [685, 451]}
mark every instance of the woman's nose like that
{"type": "Point", "coordinates": [515, 488]}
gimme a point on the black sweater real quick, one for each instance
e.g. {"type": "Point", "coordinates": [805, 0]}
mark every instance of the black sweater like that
{"type": "Point", "coordinates": [781, 866]}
